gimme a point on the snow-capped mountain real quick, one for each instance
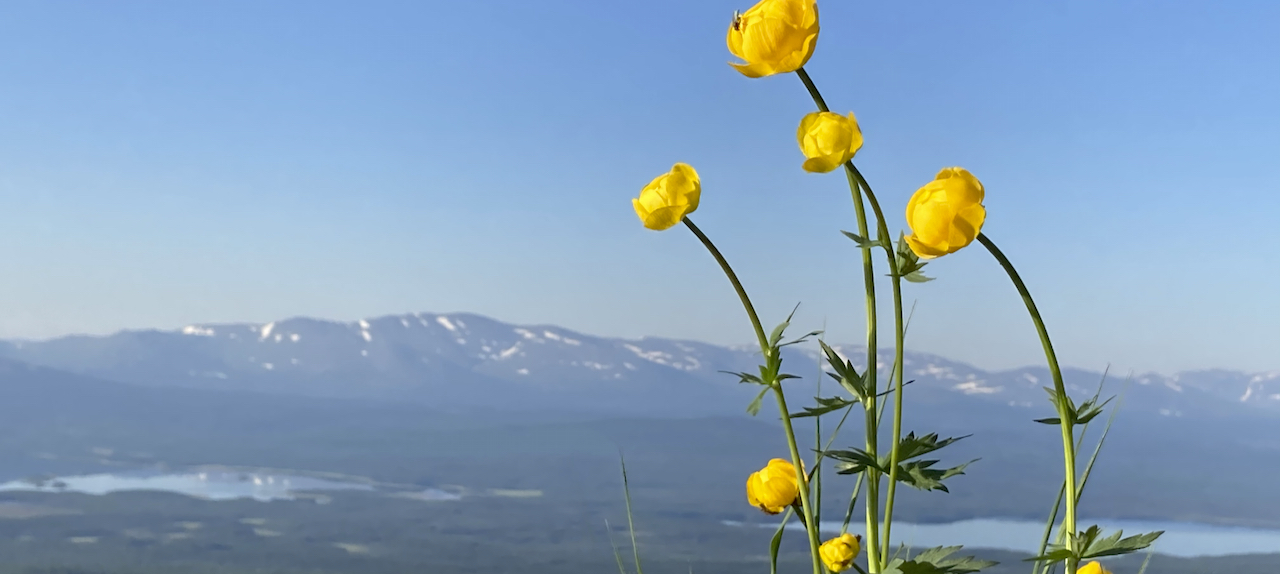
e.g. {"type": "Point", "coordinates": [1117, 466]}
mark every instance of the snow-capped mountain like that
{"type": "Point", "coordinates": [461, 359]}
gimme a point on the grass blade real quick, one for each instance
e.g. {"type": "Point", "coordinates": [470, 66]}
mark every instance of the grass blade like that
{"type": "Point", "coordinates": [776, 542]}
{"type": "Point", "coordinates": [616, 555]}
{"type": "Point", "coordinates": [631, 525]}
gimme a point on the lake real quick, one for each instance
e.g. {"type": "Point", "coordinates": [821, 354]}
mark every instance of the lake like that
{"type": "Point", "coordinates": [1185, 539]}
{"type": "Point", "coordinates": [206, 485]}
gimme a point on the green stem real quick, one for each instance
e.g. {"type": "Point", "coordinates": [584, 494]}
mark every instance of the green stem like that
{"type": "Point", "coordinates": [857, 182]}
{"type": "Point", "coordinates": [737, 285]}
{"type": "Point", "coordinates": [899, 343]}
{"type": "Point", "coordinates": [1065, 416]}
{"type": "Point", "coordinates": [802, 479]}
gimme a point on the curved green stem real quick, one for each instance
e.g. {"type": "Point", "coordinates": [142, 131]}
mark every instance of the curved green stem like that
{"type": "Point", "coordinates": [858, 182]}
{"type": "Point", "coordinates": [1065, 416]}
{"type": "Point", "coordinates": [737, 285]}
{"type": "Point", "coordinates": [802, 479]}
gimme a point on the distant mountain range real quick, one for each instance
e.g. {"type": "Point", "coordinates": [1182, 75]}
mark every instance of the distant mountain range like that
{"type": "Point", "coordinates": [465, 361]}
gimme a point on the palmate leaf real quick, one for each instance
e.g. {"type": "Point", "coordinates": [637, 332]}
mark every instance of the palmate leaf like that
{"type": "Point", "coordinates": [912, 446]}
{"type": "Point", "coordinates": [745, 377]}
{"type": "Point", "coordinates": [1086, 412]}
{"type": "Point", "coordinates": [824, 406]}
{"type": "Point", "coordinates": [1114, 545]}
{"type": "Point", "coordinates": [863, 242]}
{"type": "Point", "coordinates": [938, 561]}
{"type": "Point", "coordinates": [909, 264]}
{"type": "Point", "coordinates": [1093, 545]}
{"type": "Point", "coordinates": [919, 474]}
{"type": "Point", "coordinates": [853, 461]}
{"type": "Point", "coordinates": [845, 374]}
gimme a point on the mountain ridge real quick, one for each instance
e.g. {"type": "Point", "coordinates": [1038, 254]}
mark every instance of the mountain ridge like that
{"type": "Point", "coordinates": [467, 359]}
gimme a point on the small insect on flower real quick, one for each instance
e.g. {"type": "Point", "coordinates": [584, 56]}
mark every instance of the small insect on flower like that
{"type": "Point", "coordinates": [737, 21]}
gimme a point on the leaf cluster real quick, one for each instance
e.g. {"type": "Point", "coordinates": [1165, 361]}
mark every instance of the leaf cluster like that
{"type": "Point", "coordinates": [913, 472]}
{"type": "Point", "coordinates": [1078, 415]}
{"type": "Point", "coordinates": [1091, 544]}
{"type": "Point", "coordinates": [937, 561]}
{"type": "Point", "coordinates": [770, 373]}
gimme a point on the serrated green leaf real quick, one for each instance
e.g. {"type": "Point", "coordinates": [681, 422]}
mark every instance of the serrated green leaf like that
{"type": "Point", "coordinates": [1114, 545]}
{"type": "Point", "coordinates": [912, 446]}
{"type": "Point", "coordinates": [754, 407]}
{"type": "Point", "coordinates": [825, 406]}
{"type": "Point", "coordinates": [1056, 555]}
{"type": "Point", "coordinates": [920, 474]}
{"type": "Point", "coordinates": [938, 561]}
{"type": "Point", "coordinates": [863, 242]}
{"type": "Point", "coordinates": [745, 377]}
{"type": "Point", "coordinates": [853, 461]}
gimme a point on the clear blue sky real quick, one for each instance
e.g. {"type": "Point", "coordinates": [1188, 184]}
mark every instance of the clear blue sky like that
{"type": "Point", "coordinates": [167, 163]}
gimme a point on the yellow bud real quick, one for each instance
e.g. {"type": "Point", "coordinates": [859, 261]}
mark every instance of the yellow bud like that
{"type": "Point", "coordinates": [774, 487]}
{"type": "Point", "coordinates": [774, 37]}
{"type": "Point", "coordinates": [828, 139]}
{"type": "Point", "coordinates": [669, 197]}
{"type": "Point", "coordinates": [1092, 568]}
{"type": "Point", "coordinates": [838, 553]}
{"type": "Point", "coordinates": [946, 214]}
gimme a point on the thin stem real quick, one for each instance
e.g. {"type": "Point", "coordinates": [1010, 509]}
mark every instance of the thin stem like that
{"type": "Point", "coordinates": [813, 90]}
{"type": "Point", "coordinates": [900, 333]}
{"type": "Point", "coordinates": [1065, 418]}
{"type": "Point", "coordinates": [810, 524]}
{"type": "Point", "coordinates": [802, 480]}
{"type": "Point", "coordinates": [856, 184]}
{"type": "Point", "coordinates": [737, 285]}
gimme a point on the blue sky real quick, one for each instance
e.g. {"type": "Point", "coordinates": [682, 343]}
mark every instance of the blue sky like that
{"type": "Point", "coordinates": [171, 163]}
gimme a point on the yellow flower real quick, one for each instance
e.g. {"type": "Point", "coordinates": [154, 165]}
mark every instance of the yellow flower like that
{"type": "Point", "coordinates": [669, 197]}
{"type": "Point", "coordinates": [946, 214]}
{"type": "Point", "coordinates": [828, 139]}
{"type": "Point", "coordinates": [774, 487]}
{"type": "Point", "coordinates": [1092, 568]}
{"type": "Point", "coordinates": [838, 553]}
{"type": "Point", "coordinates": [774, 37]}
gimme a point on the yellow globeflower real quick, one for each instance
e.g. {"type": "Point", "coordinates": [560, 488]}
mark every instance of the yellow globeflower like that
{"type": "Point", "coordinates": [838, 553]}
{"type": "Point", "coordinates": [774, 487]}
{"type": "Point", "coordinates": [828, 139]}
{"type": "Point", "coordinates": [774, 37]}
{"type": "Point", "coordinates": [946, 214]}
{"type": "Point", "coordinates": [669, 197]}
{"type": "Point", "coordinates": [1092, 568]}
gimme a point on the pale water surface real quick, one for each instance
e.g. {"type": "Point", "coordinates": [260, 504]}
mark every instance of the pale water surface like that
{"type": "Point", "coordinates": [1179, 539]}
{"type": "Point", "coordinates": [206, 485]}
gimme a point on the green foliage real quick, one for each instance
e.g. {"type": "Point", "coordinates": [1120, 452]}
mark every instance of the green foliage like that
{"type": "Point", "coordinates": [938, 561]}
{"type": "Point", "coordinates": [863, 242]}
{"type": "Point", "coordinates": [918, 474]}
{"type": "Point", "coordinates": [825, 406]}
{"type": "Point", "coordinates": [1092, 544]}
{"type": "Point", "coordinates": [1078, 415]}
{"type": "Point", "coordinates": [848, 377]}
{"type": "Point", "coordinates": [909, 265]}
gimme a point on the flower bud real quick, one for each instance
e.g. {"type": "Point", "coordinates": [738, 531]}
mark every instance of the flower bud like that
{"type": "Point", "coordinates": [946, 214]}
{"type": "Point", "coordinates": [668, 198]}
{"type": "Point", "coordinates": [838, 553]}
{"type": "Point", "coordinates": [774, 487]}
{"type": "Point", "coordinates": [1092, 568]}
{"type": "Point", "coordinates": [828, 139]}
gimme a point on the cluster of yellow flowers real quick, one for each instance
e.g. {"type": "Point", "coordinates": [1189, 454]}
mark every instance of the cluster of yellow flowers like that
{"type": "Point", "coordinates": [944, 216]}
{"type": "Point", "coordinates": [779, 36]}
